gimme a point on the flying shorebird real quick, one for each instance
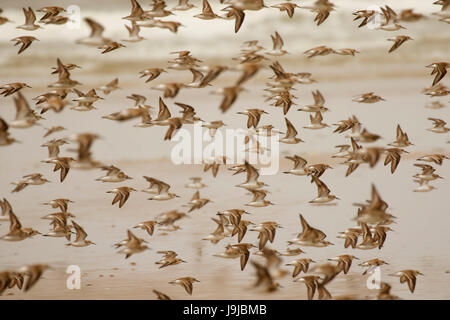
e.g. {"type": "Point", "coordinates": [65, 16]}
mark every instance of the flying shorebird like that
{"type": "Point", "coordinates": [372, 264]}
{"type": "Point", "coordinates": [393, 156]}
{"type": "Point", "coordinates": [130, 237]}
{"type": "Point", "coordinates": [110, 86]}
{"type": "Point", "coordinates": [316, 121]}
{"type": "Point", "coordinates": [25, 116]}
{"type": "Point", "coordinates": [368, 241]}
{"type": "Point", "coordinates": [384, 292]}
{"type": "Point", "coordinates": [10, 88]}
{"type": "Point", "coordinates": [162, 192]}
{"type": "Point", "coordinates": [264, 278]}
{"type": "Point", "coordinates": [259, 200]}
{"type": "Point", "coordinates": [52, 130]}
{"type": "Point", "coordinates": [230, 94]}
{"type": "Point", "coordinates": [213, 126]}
{"type": "Point", "coordinates": [374, 211]}
{"type": "Point", "coordinates": [207, 12]}
{"type": "Point", "coordinates": [121, 195]}
{"type": "Point", "coordinates": [344, 125]}
{"type": "Point", "coordinates": [195, 183]}
{"type": "Point", "coordinates": [133, 33]}
{"type": "Point", "coordinates": [62, 164]}
{"type": "Point", "coordinates": [30, 179]}
{"type": "Point", "coordinates": [239, 250]}
{"type": "Point", "coordinates": [311, 283]}
{"type": "Point", "coordinates": [300, 265]}
{"type": "Point", "coordinates": [402, 139]}
{"type": "Point", "coordinates": [440, 69]}
{"type": "Point", "coordinates": [30, 19]}
{"type": "Point", "coordinates": [96, 37]}
{"type": "Point", "coordinates": [398, 41]}
{"type": "Point", "coordinates": [214, 165]}
{"type": "Point", "coordinates": [219, 233]}
{"type": "Point", "coordinates": [299, 166]}
{"type": "Point", "coordinates": [25, 41]}
{"type": "Point", "coordinates": [319, 101]}
{"type": "Point", "coordinates": [289, 7]}
{"type": "Point", "coordinates": [436, 158]}
{"type": "Point", "coordinates": [169, 259]}
{"type": "Point", "coordinates": [344, 262]}
{"type": "Point", "coordinates": [408, 276]}
{"type": "Point", "coordinates": [64, 81]}
{"type": "Point", "coordinates": [50, 11]}
{"type": "Point", "coordinates": [310, 236]}
{"type": "Point", "coordinates": [427, 172]}
{"type": "Point", "coordinates": [236, 14]}
{"type": "Point", "coordinates": [151, 73]}
{"type": "Point", "coordinates": [110, 46]}
{"type": "Point", "coordinates": [346, 52]}
{"type": "Point", "coordinates": [34, 273]}
{"type": "Point", "coordinates": [317, 169]}
{"type": "Point", "coordinates": [53, 147]}
{"type": "Point", "coordinates": [61, 204]}
{"type": "Point", "coordinates": [133, 245]}
{"type": "Point", "coordinates": [3, 20]}
{"type": "Point", "coordinates": [5, 206]}
{"type": "Point", "coordinates": [159, 294]}
{"type": "Point", "coordinates": [254, 116]}
{"type": "Point", "coordinates": [324, 195]}
{"type": "Point", "coordinates": [5, 139]}
{"type": "Point", "coordinates": [136, 12]}
{"type": "Point", "coordinates": [291, 134]}
{"type": "Point", "coordinates": [318, 51]}
{"type": "Point", "coordinates": [251, 183]}
{"type": "Point", "coordinates": [438, 126]}
{"type": "Point", "coordinates": [369, 97]}
{"type": "Point", "coordinates": [322, 8]}
{"type": "Point", "coordinates": [423, 186]}
{"type": "Point", "coordinates": [183, 5]}
{"type": "Point", "coordinates": [16, 231]}
{"type": "Point", "coordinates": [113, 174]}
{"type": "Point", "coordinates": [80, 240]}
{"type": "Point", "coordinates": [170, 89]}
{"type": "Point", "coordinates": [148, 226]}
{"type": "Point", "coordinates": [186, 283]}
{"type": "Point", "coordinates": [277, 45]}
{"type": "Point", "coordinates": [196, 202]}
{"type": "Point", "coordinates": [343, 151]}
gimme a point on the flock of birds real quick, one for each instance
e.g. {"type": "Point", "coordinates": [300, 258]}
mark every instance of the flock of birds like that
{"type": "Point", "coordinates": [372, 219]}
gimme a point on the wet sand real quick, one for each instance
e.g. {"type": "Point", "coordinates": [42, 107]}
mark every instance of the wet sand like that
{"type": "Point", "coordinates": [420, 240]}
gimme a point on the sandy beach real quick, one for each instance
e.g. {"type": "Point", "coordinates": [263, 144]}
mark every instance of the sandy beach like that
{"type": "Point", "coordinates": [420, 241]}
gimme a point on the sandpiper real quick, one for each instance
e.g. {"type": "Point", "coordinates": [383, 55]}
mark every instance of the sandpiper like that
{"type": "Point", "coordinates": [323, 193]}
{"type": "Point", "coordinates": [113, 174]}
{"type": "Point", "coordinates": [310, 236]}
{"type": "Point", "coordinates": [291, 134]}
{"type": "Point", "coordinates": [299, 168]}
{"type": "Point", "coordinates": [34, 179]}
{"type": "Point", "coordinates": [30, 19]}
{"type": "Point", "coordinates": [300, 265]}
{"type": "Point", "coordinates": [408, 276]}
{"type": "Point", "coordinates": [121, 195]}
{"type": "Point", "coordinates": [80, 240]}
{"type": "Point", "coordinates": [186, 283]}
